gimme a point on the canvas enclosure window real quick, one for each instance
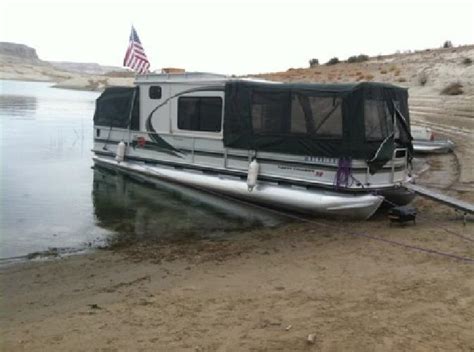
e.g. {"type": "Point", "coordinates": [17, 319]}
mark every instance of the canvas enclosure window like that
{"type": "Point", "coordinates": [397, 105]}
{"type": "Point", "coordinates": [114, 105]}
{"type": "Point", "coordinates": [316, 116]}
{"type": "Point", "coordinates": [200, 114]}
{"type": "Point", "coordinates": [289, 113]}
{"type": "Point", "coordinates": [270, 113]}
{"type": "Point", "coordinates": [378, 121]}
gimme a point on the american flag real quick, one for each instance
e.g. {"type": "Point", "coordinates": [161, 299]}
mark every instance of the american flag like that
{"type": "Point", "coordinates": [135, 57]}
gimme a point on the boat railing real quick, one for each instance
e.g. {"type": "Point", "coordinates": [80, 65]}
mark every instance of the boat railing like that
{"type": "Point", "coordinates": [399, 154]}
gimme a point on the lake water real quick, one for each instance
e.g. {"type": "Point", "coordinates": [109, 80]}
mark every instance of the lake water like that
{"type": "Point", "coordinates": [51, 197]}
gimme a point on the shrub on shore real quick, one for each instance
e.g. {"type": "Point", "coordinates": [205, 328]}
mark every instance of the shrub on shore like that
{"type": "Point", "coordinates": [333, 61]}
{"type": "Point", "coordinates": [453, 89]}
{"type": "Point", "coordinates": [447, 44]}
{"type": "Point", "coordinates": [422, 78]}
{"type": "Point", "coordinates": [313, 63]}
{"type": "Point", "coordinates": [358, 58]}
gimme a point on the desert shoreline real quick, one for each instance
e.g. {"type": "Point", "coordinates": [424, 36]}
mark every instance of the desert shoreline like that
{"type": "Point", "coordinates": [91, 84]}
{"type": "Point", "coordinates": [266, 289]}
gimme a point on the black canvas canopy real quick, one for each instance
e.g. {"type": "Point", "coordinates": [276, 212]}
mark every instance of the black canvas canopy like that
{"type": "Point", "coordinates": [362, 121]}
{"type": "Point", "coordinates": [114, 105]}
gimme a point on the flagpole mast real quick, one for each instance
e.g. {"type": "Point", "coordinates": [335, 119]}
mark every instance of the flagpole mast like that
{"type": "Point", "coordinates": [130, 116]}
{"type": "Point", "coordinates": [132, 105]}
{"type": "Point", "coordinates": [136, 59]}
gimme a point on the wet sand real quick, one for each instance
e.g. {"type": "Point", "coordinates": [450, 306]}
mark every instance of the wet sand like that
{"type": "Point", "coordinates": [264, 290]}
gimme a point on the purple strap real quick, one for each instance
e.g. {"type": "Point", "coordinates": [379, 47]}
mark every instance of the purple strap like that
{"type": "Point", "coordinates": [343, 174]}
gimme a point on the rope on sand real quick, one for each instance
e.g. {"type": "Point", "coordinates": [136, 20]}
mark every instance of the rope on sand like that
{"type": "Point", "coordinates": [375, 238]}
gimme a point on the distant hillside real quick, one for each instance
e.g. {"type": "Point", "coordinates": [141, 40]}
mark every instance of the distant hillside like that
{"type": "Point", "coordinates": [21, 62]}
{"type": "Point", "coordinates": [14, 51]}
{"type": "Point", "coordinates": [91, 68]}
{"type": "Point", "coordinates": [429, 70]}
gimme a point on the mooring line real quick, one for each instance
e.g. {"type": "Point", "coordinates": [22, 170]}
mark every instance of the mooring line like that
{"type": "Point", "coordinates": [457, 234]}
{"type": "Point", "coordinates": [409, 246]}
{"type": "Point", "coordinates": [400, 244]}
{"type": "Point", "coordinates": [375, 238]}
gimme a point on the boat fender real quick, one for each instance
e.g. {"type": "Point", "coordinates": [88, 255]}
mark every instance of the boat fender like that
{"type": "Point", "coordinates": [252, 174]}
{"type": "Point", "coordinates": [120, 154]}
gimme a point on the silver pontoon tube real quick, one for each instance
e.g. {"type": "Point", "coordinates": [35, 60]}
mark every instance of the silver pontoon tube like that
{"type": "Point", "coordinates": [437, 146]}
{"type": "Point", "coordinates": [317, 202]}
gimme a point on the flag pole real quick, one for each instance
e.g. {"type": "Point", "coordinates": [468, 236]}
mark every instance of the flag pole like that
{"type": "Point", "coordinates": [132, 105]}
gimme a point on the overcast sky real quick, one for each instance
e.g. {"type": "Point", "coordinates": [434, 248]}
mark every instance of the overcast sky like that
{"type": "Point", "coordinates": [233, 36]}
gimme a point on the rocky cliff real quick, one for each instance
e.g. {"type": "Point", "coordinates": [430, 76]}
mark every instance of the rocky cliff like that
{"type": "Point", "coordinates": [18, 51]}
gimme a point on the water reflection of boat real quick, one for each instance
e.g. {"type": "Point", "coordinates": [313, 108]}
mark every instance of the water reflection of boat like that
{"type": "Point", "coordinates": [18, 105]}
{"type": "Point", "coordinates": [147, 207]}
